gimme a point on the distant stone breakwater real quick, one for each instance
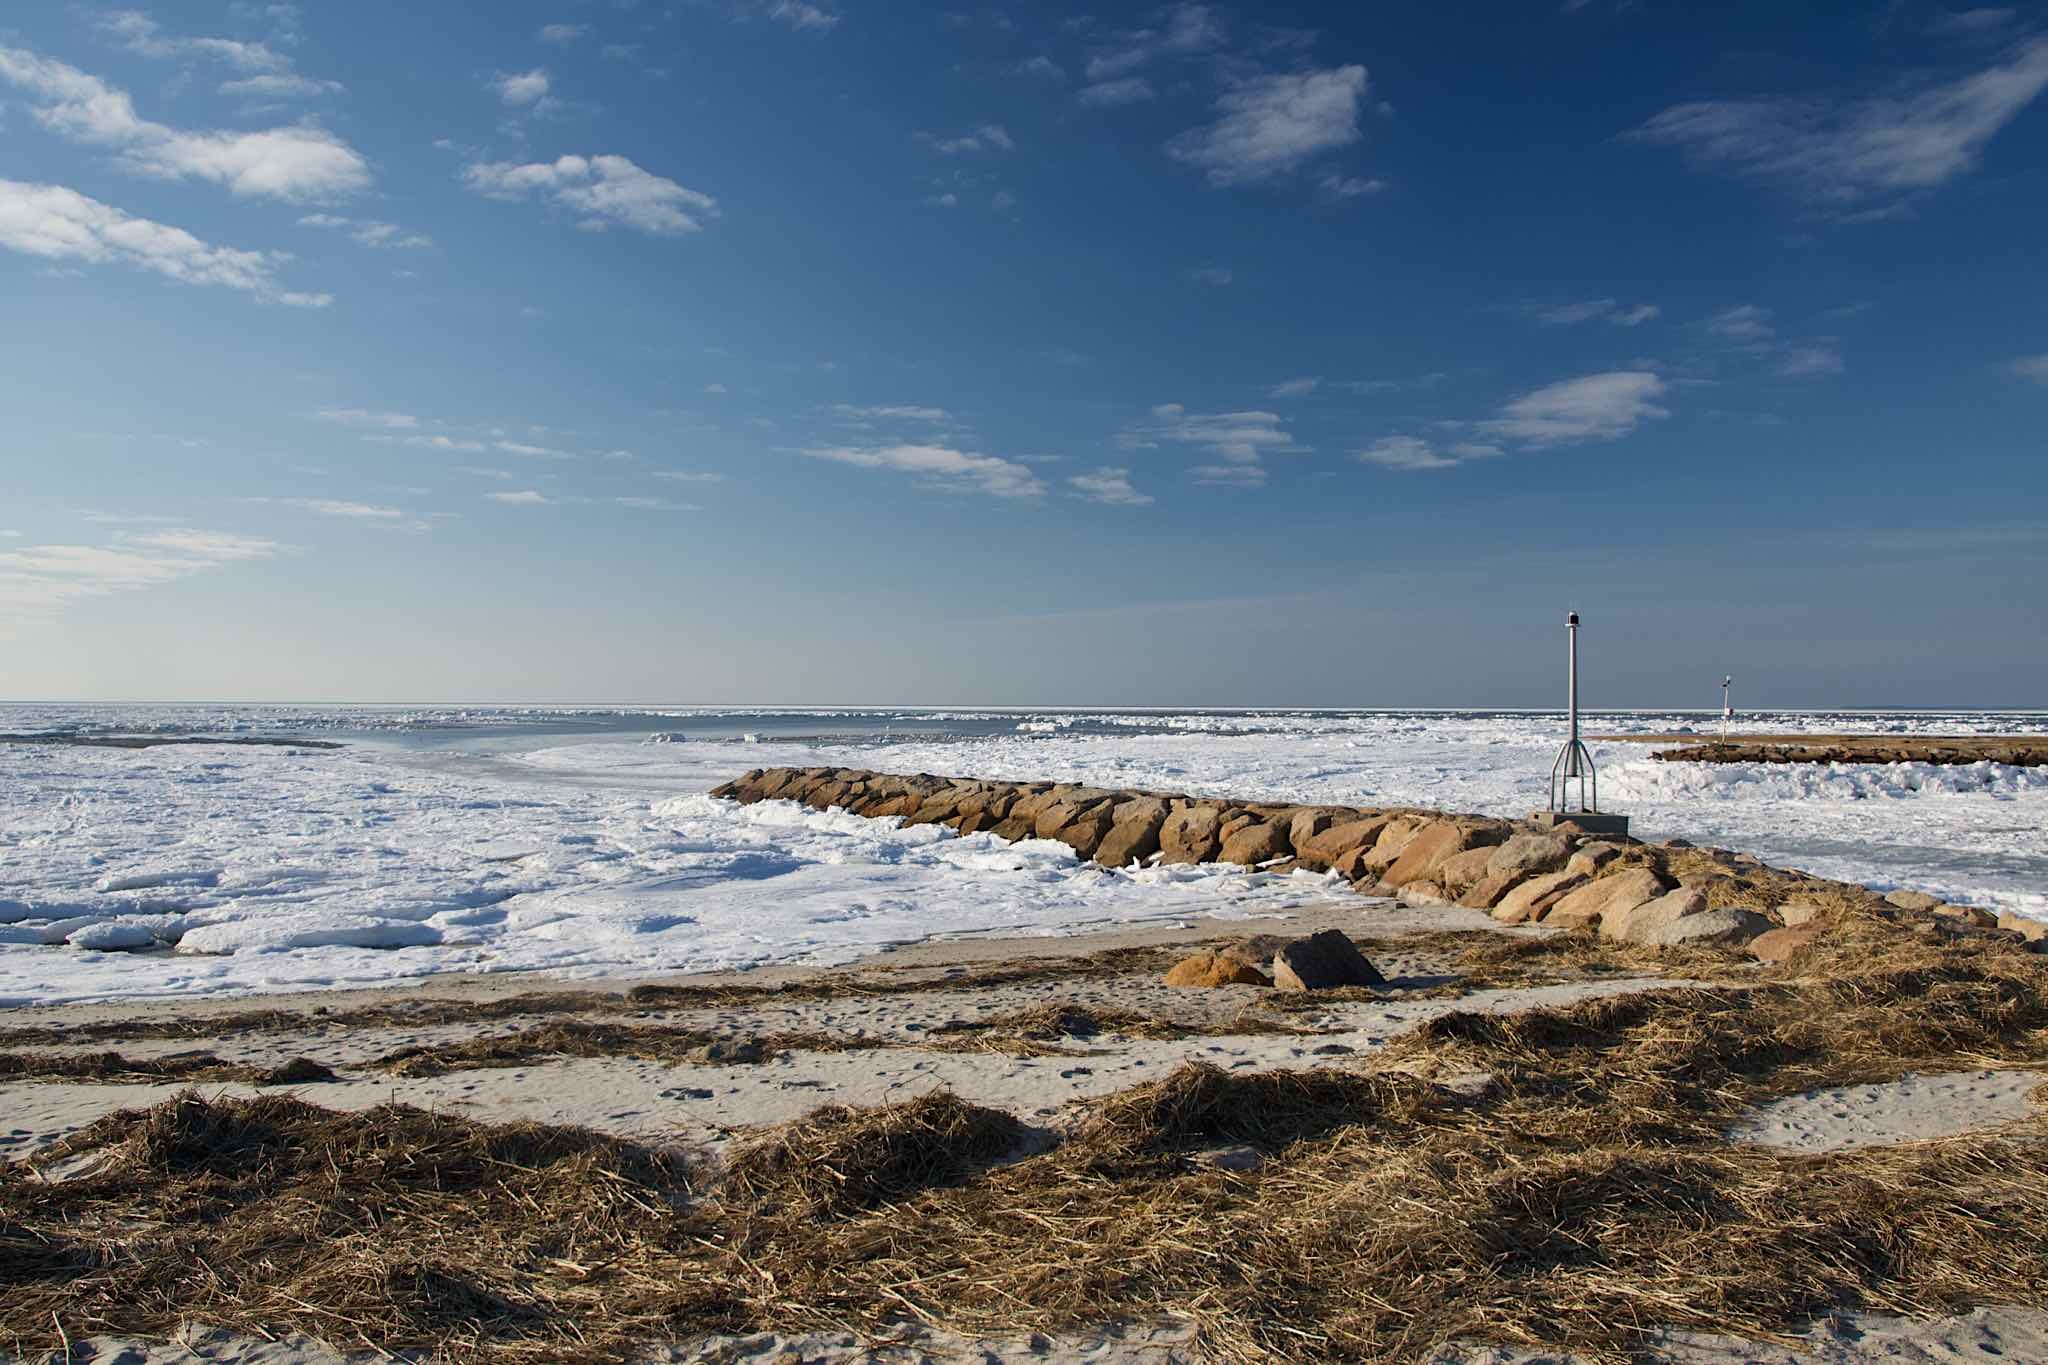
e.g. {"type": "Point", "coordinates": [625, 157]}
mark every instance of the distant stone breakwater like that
{"type": "Point", "coordinates": [2020, 751]}
{"type": "Point", "coordinates": [1660, 894]}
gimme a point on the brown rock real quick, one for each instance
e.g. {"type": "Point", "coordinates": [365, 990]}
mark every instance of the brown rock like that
{"type": "Point", "coordinates": [1215, 969]}
{"type": "Point", "coordinates": [1615, 894]}
{"type": "Point", "coordinates": [1421, 855]}
{"type": "Point", "coordinates": [1592, 857]}
{"type": "Point", "coordinates": [1632, 925]}
{"type": "Point", "coordinates": [1528, 854]}
{"type": "Point", "coordinates": [1309, 821]}
{"type": "Point", "coordinates": [1715, 928]}
{"type": "Point", "coordinates": [1323, 850]}
{"type": "Point", "coordinates": [1321, 962]}
{"type": "Point", "coordinates": [1393, 839]}
{"type": "Point", "coordinates": [1458, 872]}
{"type": "Point", "coordinates": [1983, 919]}
{"type": "Point", "coordinates": [1912, 900]}
{"type": "Point", "coordinates": [1190, 834]}
{"type": "Point", "coordinates": [2031, 930]}
{"type": "Point", "coordinates": [1084, 833]}
{"type": "Point", "coordinates": [1534, 896]}
{"type": "Point", "coordinates": [1254, 844]}
{"type": "Point", "coordinates": [1798, 913]}
{"type": "Point", "coordinates": [1426, 893]}
{"type": "Point", "coordinates": [1134, 833]}
{"type": "Point", "coordinates": [1778, 945]}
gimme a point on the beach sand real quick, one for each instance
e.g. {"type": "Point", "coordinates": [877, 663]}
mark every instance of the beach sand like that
{"type": "Point", "coordinates": [908, 1023]}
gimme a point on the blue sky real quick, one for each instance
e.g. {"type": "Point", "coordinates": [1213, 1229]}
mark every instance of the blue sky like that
{"type": "Point", "coordinates": [762, 350]}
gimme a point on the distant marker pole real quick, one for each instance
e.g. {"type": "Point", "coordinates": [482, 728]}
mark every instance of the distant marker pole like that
{"type": "Point", "coordinates": [1727, 710]}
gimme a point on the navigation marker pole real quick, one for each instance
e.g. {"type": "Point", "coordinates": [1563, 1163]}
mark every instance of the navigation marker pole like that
{"type": "Point", "coordinates": [1575, 764]}
{"type": "Point", "coordinates": [1727, 711]}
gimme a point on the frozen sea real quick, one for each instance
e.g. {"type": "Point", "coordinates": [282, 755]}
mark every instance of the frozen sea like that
{"type": "Point", "coordinates": [580, 840]}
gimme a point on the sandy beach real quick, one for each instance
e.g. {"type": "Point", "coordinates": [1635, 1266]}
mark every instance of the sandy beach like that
{"type": "Point", "coordinates": [1056, 1046]}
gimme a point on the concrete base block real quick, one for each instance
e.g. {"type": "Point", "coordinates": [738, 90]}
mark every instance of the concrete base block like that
{"type": "Point", "coordinates": [1593, 822]}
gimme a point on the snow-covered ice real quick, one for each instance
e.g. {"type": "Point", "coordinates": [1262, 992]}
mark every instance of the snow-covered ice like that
{"type": "Point", "coordinates": [505, 839]}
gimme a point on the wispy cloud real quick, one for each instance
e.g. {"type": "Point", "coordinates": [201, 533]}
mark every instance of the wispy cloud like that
{"type": "Point", "coordinates": [525, 497]}
{"type": "Point", "coordinates": [986, 137]}
{"type": "Point", "coordinates": [1351, 186]}
{"type": "Point", "coordinates": [1296, 388]}
{"type": "Point", "coordinates": [1110, 485]}
{"type": "Point", "coordinates": [689, 476]}
{"type": "Point", "coordinates": [2033, 367]}
{"type": "Point", "coordinates": [562, 33]}
{"type": "Point", "coordinates": [1420, 383]}
{"type": "Point", "coordinates": [1597, 407]}
{"type": "Point", "coordinates": [801, 15]}
{"type": "Point", "coordinates": [369, 232]}
{"type": "Point", "coordinates": [1602, 310]}
{"type": "Point", "coordinates": [333, 507]}
{"type": "Point", "coordinates": [1272, 124]}
{"type": "Point", "coordinates": [299, 163]}
{"type": "Point", "coordinates": [1840, 151]}
{"type": "Point", "coordinates": [1811, 360]}
{"type": "Point", "coordinates": [899, 412]}
{"type": "Point", "coordinates": [1186, 30]}
{"type": "Point", "coordinates": [59, 224]}
{"type": "Point", "coordinates": [1110, 94]}
{"type": "Point", "coordinates": [940, 467]}
{"type": "Point", "coordinates": [521, 88]}
{"type": "Point", "coordinates": [605, 190]}
{"type": "Point", "coordinates": [1045, 68]}
{"type": "Point", "coordinates": [1239, 440]}
{"type": "Point", "coordinates": [1212, 274]}
{"type": "Point", "coordinates": [364, 417]}
{"type": "Point", "coordinates": [1746, 323]}
{"type": "Point", "coordinates": [37, 582]}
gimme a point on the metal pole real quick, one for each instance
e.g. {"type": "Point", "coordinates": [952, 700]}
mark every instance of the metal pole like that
{"type": "Point", "coordinates": [1572, 629]}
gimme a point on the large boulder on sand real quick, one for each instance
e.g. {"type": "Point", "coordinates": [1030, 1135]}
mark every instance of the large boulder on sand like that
{"type": "Point", "coordinates": [1224, 968]}
{"type": "Point", "coordinates": [1322, 962]}
{"type": "Point", "coordinates": [1255, 844]}
{"type": "Point", "coordinates": [1190, 834]}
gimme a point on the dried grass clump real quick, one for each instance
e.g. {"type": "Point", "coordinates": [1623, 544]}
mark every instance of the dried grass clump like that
{"type": "Point", "coordinates": [1045, 1030]}
{"type": "Point", "coordinates": [837, 1161]}
{"type": "Point", "coordinates": [1200, 1105]}
{"type": "Point", "coordinates": [182, 1066]}
{"type": "Point", "coordinates": [394, 1229]}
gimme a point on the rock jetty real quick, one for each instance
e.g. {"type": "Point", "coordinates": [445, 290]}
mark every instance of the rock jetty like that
{"type": "Point", "coordinates": [2021, 751]}
{"type": "Point", "coordinates": [1667, 895]}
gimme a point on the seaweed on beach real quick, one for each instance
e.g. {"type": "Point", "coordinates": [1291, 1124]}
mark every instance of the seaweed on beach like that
{"type": "Point", "coordinates": [837, 1161]}
{"type": "Point", "coordinates": [578, 1038]}
{"type": "Point", "coordinates": [1583, 1197]}
{"type": "Point", "coordinates": [175, 1067]}
{"type": "Point", "coordinates": [1051, 1029]}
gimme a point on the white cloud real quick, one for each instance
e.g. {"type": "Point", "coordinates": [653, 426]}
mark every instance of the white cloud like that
{"type": "Point", "coordinates": [143, 36]}
{"type": "Point", "coordinates": [983, 138]}
{"type": "Point", "coordinates": [1002, 201]}
{"type": "Point", "coordinates": [1840, 151]}
{"type": "Point", "coordinates": [2034, 367]}
{"type": "Point", "coordinates": [689, 476]}
{"type": "Point", "coordinates": [941, 467]}
{"type": "Point", "coordinates": [1110, 94]}
{"type": "Point", "coordinates": [1212, 274]}
{"type": "Point", "coordinates": [521, 88]}
{"type": "Point", "coordinates": [1351, 186]}
{"type": "Point", "coordinates": [1404, 452]}
{"type": "Point", "coordinates": [901, 412]}
{"type": "Point", "coordinates": [300, 163]}
{"type": "Point", "coordinates": [478, 472]}
{"type": "Point", "coordinates": [368, 231]}
{"type": "Point", "coordinates": [59, 224]}
{"type": "Point", "coordinates": [1045, 68]}
{"type": "Point", "coordinates": [38, 582]}
{"type": "Point", "coordinates": [654, 504]}
{"type": "Point", "coordinates": [562, 33]}
{"type": "Point", "coordinates": [1236, 438]}
{"type": "Point", "coordinates": [1296, 388]}
{"type": "Point", "coordinates": [1610, 310]}
{"type": "Point", "coordinates": [1188, 28]}
{"type": "Point", "coordinates": [797, 14]}
{"type": "Point", "coordinates": [1811, 360]}
{"type": "Point", "coordinates": [714, 388]}
{"type": "Point", "coordinates": [363, 417]}
{"type": "Point", "coordinates": [605, 189]}
{"type": "Point", "coordinates": [1746, 323]}
{"type": "Point", "coordinates": [1418, 384]}
{"type": "Point", "coordinates": [532, 452]}
{"type": "Point", "coordinates": [454, 443]}
{"type": "Point", "coordinates": [280, 87]}
{"type": "Point", "coordinates": [1597, 407]}
{"type": "Point", "coordinates": [331, 507]}
{"type": "Point", "coordinates": [1111, 484]}
{"type": "Point", "coordinates": [525, 497]}
{"type": "Point", "coordinates": [1231, 475]}
{"type": "Point", "coordinates": [1271, 124]}
{"type": "Point", "coordinates": [944, 201]}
